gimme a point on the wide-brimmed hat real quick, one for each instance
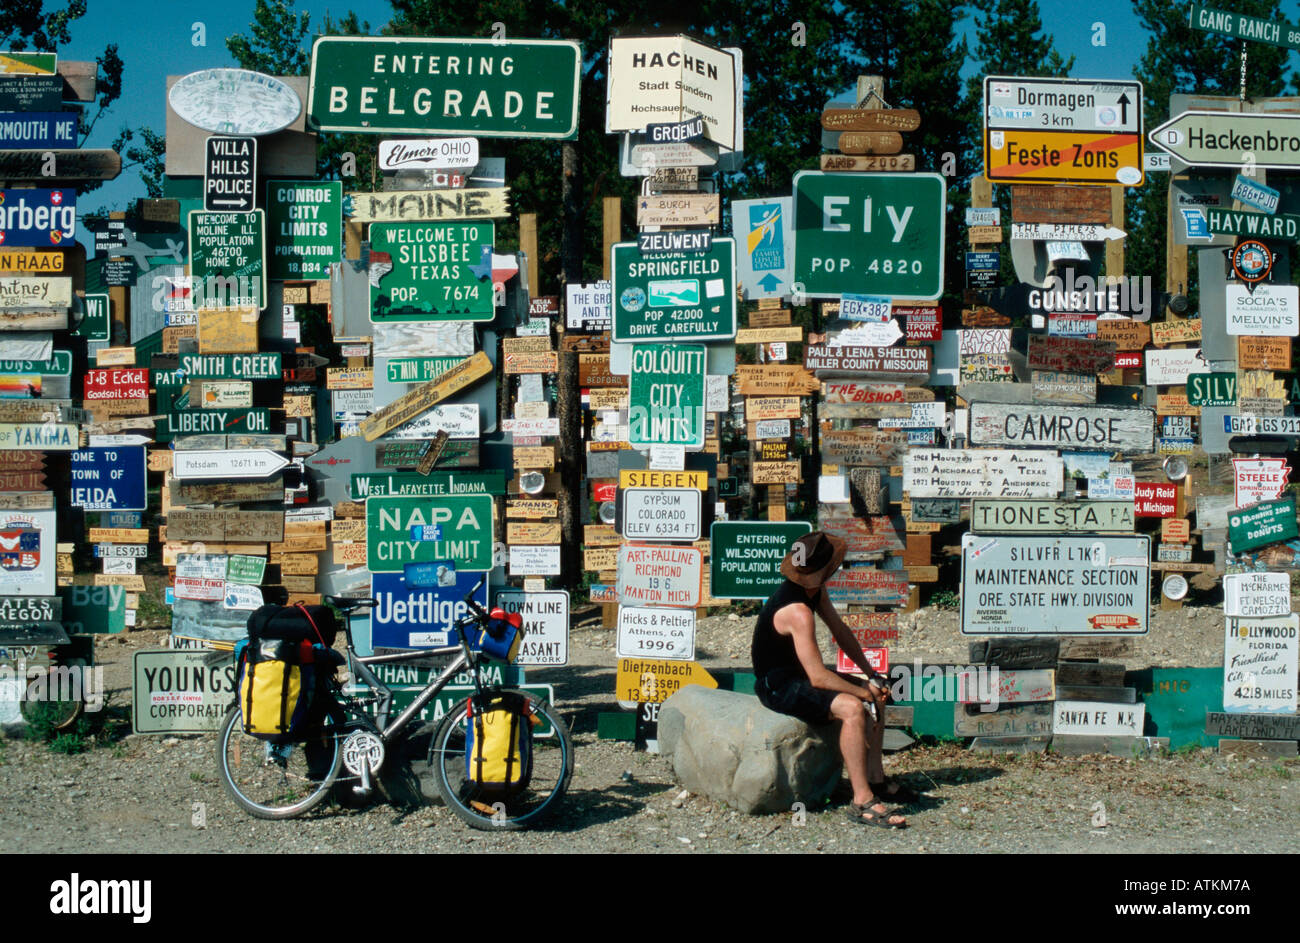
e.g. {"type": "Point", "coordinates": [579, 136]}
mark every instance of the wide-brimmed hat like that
{"type": "Point", "coordinates": [821, 555]}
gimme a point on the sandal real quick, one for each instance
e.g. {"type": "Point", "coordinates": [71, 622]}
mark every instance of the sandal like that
{"type": "Point", "coordinates": [894, 791]}
{"type": "Point", "coordinates": [866, 815]}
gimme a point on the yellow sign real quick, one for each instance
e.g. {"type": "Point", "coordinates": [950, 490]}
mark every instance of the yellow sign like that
{"type": "Point", "coordinates": [1027, 156]}
{"type": "Point", "coordinates": [644, 478]}
{"type": "Point", "coordinates": [652, 680]}
{"type": "Point", "coordinates": [26, 260]}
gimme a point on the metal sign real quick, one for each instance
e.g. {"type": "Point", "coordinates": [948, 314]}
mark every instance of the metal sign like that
{"type": "Point", "coordinates": [37, 218]}
{"type": "Point", "coordinates": [228, 258]}
{"type": "Point", "coordinates": [872, 234]}
{"type": "Point", "coordinates": [667, 396]}
{"type": "Point", "coordinates": [483, 87]}
{"type": "Point", "coordinates": [1088, 517]}
{"type": "Point", "coordinates": [304, 221]}
{"type": "Point", "coordinates": [1241, 26]}
{"type": "Point", "coordinates": [658, 633]}
{"type": "Point", "coordinates": [431, 271]}
{"type": "Point", "coordinates": [546, 625]}
{"type": "Point", "coordinates": [212, 422]}
{"type": "Point", "coordinates": [229, 173]}
{"type": "Point", "coordinates": [764, 234]}
{"type": "Point", "coordinates": [41, 93]}
{"type": "Point", "coordinates": [653, 680]}
{"type": "Point", "coordinates": [181, 690]}
{"type": "Point", "coordinates": [662, 79]}
{"type": "Point", "coordinates": [661, 514]}
{"type": "Point", "coordinates": [27, 552]}
{"type": "Point", "coordinates": [234, 101]}
{"type": "Point", "coordinates": [1055, 585]}
{"type": "Point", "coordinates": [227, 463]}
{"type": "Point", "coordinates": [1220, 138]}
{"type": "Point", "coordinates": [745, 556]}
{"type": "Point", "coordinates": [1262, 524]}
{"type": "Point", "coordinates": [407, 616]}
{"type": "Point", "coordinates": [1049, 130]}
{"type": "Point", "coordinates": [660, 575]}
{"type": "Point", "coordinates": [34, 129]}
{"type": "Point", "coordinates": [1264, 311]}
{"type": "Point", "coordinates": [465, 522]}
{"type": "Point", "coordinates": [108, 479]}
{"type": "Point", "coordinates": [675, 296]}
{"type": "Point", "coordinates": [261, 366]}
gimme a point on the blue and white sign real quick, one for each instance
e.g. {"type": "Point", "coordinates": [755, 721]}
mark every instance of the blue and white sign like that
{"type": "Point", "coordinates": [1255, 194]}
{"type": "Point", "coordinates": [764, 231]}
{"type": "Point", "coordinates": [37, 218]}
{"type": "Point", "coordinates": [38, 130]}
{"type": "Point", "coordinates": [876, 308]}
{"type": "Point", "coordinates": [109, 479]}
{"type": "Point", "coordinates": [406, 617]}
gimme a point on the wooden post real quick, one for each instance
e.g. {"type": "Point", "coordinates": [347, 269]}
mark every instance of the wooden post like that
{"type": "Point", "coordinates": [568, 405]}
{"type": "Point", "coordinates": [1115, 247]}
{"type": "Point", "coordinates": [528, 246]}
{"type": "Point", "coordinates": [612, 231]}
{"type": "Point", "coordinates": [981, 192]}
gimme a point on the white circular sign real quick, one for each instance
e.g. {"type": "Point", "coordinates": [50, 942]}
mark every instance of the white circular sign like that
{"type": "Point", "coordinates": [532, 482]}
{"type": "Point", "coordinates": [235, 101]}
{"type": "Point", "coordinates": [1175, 586]}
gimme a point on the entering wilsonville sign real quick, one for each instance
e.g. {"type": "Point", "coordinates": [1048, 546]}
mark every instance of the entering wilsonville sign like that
{"type": "Point", "coordinates": [485, 87]}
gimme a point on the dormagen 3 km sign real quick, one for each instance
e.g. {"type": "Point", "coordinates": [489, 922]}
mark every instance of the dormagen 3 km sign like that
{"type": "Point", "coordinates": [1083, 131]}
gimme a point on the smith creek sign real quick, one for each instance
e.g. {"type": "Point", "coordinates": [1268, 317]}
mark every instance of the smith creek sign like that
{"type": "Point", "coordinates": [1022, 585]}
{"type": "Point", "coordinates": [481, 87]}
{"type": "Point", "coordinates": [675, 296]}
{"type": "Point", "coordinates": [1100, 428]}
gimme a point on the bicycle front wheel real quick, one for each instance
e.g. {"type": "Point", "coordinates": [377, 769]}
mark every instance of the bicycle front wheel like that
{"type": "Point", "coordinates": [275, 782]}
{"type": "Point", "coordinates": [485, 808]}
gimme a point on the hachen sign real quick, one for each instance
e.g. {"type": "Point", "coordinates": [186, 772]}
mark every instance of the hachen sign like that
{"type": "Point", "coordinates": [484, 87]}
{"type": "Point", "coordinates": [1087, 585]}
{"type": "Point", "coordinates": [891, 362]}
{"type": "Point", "coordinates": [984, 473]}
{"type": "Point", "coordinates": [1099, 428]}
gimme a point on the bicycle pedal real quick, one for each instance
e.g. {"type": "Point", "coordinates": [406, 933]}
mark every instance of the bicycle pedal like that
{"type": "Point", "coordinates": [361, 791]}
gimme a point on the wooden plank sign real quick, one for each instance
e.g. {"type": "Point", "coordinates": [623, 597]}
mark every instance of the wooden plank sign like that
{"type": "Point", "coordinates": [29, 292]}
{"type": "Point", "coordinates": [1099, 428]}
{"type": "Point", "coordinates": [870, 142]}
{"type": "Point", "coordinates": [1021, 720]}
{"type": "Point", "coordinates": [1028, 686]}
{"type": "Point", "coordinates": [679, 209]}
{"type": "Point", "coordinates": [758, 409]}
{"type": "Point", "coordinates": [773, 379]}
{"type": "Point", "coordinates": [982, 473]}
{"type": "Point", "coordinates": [425, 397]}
{"type": "Point", "coordinates": [1070, 354]}
{"type": "Point", "coordinates": [414, 205]}
{"type": "Point", "coordinates": [528, 532]}
{"type": "Point", "coordinates": [871, 119]}
{"type": "Point", "coordinates": [1039, 204]}
{"type": "Point", "coordinates": [228, 331]}
{"type": "Point", "coordinates": [1264, 353]}
{"type": "Point", "coordinates": [539, 362]}
{"type": "Point", "coordinates": [864, 446]}
{"type": "Point", "coordinates": [1125, 333]}
{"type": "Point", "coordinates": [229, 526]}
{"type": "Point", "coordinates": [774, 473]}
{"type": "Point", "coordinates": [1176, 332]}
{"type": "Point", "coordinates": [905, 163]}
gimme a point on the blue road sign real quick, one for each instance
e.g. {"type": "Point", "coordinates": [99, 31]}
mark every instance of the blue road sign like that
{"type": "Point", "coordinates": [407, 616]}
{"type": "Point", "coordinates": [109, 479]}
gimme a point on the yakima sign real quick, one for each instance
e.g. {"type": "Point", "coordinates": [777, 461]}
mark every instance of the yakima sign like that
{"type": "Point", "coordinates": [485, 87]}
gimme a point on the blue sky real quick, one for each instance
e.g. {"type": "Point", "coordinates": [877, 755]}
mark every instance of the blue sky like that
{"type": "Point", "coordinates": [155, 39]}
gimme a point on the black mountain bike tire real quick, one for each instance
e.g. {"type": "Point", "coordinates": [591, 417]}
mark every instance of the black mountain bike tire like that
{"type": "Point", "coordinates": [232, 738]}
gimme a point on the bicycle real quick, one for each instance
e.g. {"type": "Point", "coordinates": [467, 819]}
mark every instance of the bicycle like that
{"type": "Point", "coordinates": [274, 782]}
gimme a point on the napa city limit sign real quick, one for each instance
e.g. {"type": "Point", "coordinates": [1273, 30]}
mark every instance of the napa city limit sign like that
{"type": "Point", "coordinates": [482, 87]}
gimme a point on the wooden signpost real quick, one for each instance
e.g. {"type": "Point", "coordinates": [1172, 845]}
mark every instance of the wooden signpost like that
{"type": "Point", "coordinates": [423, 398]}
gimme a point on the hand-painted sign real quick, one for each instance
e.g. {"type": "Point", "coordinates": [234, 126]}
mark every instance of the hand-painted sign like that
{"type": "Point", "coordinates": [1261, 524]}
{"type": "Point", "coordinates": [982, 473]}
{"type": "Point", "coordinates": [483, 87]}
{"type": "Point", "coordinates": [37, 218]}
{"type": "Point", "coordinates": [305, 228]}
{"type": "Point", "coordinates": [1254, 595]}
{"type": "Point", "coordinates": [746, 556]}
{"type": "Point", "coordinates": [674, 297]}
{"type": "Point", "coordinates": [1260, 664]}
{"type": "Point", "coordinates": [1098, 719]}
{"type": "Point", "coordinates": [228, 258]}
{"type": "Point", "coordinates": [1055, 585]}
{"type": "Point", "coordinates": [659, 575]}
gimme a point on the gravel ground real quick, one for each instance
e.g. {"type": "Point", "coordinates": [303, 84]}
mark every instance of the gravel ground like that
{"type": "Point", "coordinates": [138, 794]}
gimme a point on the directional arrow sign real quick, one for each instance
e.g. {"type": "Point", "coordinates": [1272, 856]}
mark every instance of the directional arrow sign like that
{"type": "Point", "coordinates": [113, 441]}
{"type": "Point", "coordinates": [1065, 232]}
{"type": "Point", "coordinates": [1220, 138]}
{"type": "Point", "coordinates": [227, 463]}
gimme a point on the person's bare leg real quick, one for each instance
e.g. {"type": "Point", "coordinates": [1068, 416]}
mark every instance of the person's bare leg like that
{"type": "Point", "coordinates": [854, 730]}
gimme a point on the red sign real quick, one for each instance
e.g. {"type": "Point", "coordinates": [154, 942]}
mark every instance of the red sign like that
{"type": "Point", "coordinates": [117, 383]}
{"type": "Point", "coordinates": [1258, 479]}
{"type": "Point", "coordinates": [877, 658]}
{"type": "Point", "coordinates": [1151, 499]}
{"type": "Point", "coordinates": [544, 306]}
{"type": "Point", "coordinates": [604, 490]}
{"type": "Point", "coordinates": [924, 324]}
{"type": "Point", "coordinates": [1114, 622]}
{"type": "Point", "coordinates": [1128, 359]}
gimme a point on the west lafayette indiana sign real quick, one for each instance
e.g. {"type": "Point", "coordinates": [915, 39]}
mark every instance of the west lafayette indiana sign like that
{"type": "Point", "coordinates": [666, 399]}
{"type": "Point", "coordinates": [304, 221]}
{"type": "Point", "coordinates": [675, 296]}
{"type": "Point", "coordinates": [1093, 585]}
{"type": "Point", "coordinates": [1220, 138]}
{"type": "Point", "coordinates": [465, 524]}
{"type": "Point", "coordinates": [869, 234]}
{"type": "Point", "coordinates": [1098, 428]}
{"type": "Point", "coordinates": [426, 272]}
{"type": "Point", "coordinates": [483, 87]}
{"type": "Point", "coordinates": [1047, 130]}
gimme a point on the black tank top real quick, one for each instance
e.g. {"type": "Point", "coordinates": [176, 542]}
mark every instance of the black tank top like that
{"type": "Point", "coordinates": [772, 650]}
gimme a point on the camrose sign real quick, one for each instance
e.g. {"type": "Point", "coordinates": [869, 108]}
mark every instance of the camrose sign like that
{"type": "Point", "coordinates": [483, 87]}
{"type": "Point", "coordinates": [1118, 429]}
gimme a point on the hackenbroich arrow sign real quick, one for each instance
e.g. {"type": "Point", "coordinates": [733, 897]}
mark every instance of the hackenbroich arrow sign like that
{"type": "Point", "coordinates": [1220, 138]}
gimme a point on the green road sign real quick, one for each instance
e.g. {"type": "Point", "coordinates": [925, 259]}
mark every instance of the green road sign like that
{"type": "Point", "coordinates": [99, 610]}
{"type": "Point", "coordinates": [430, 272]}
{"type": "Point", "coordinates": [59, 365]}
{"type": "Point", "coordinates": [666, 396]}
{"type": "Point", "coordinates": [212, 422]}
{"type": "Point", "coordinates": [419, 369]}
{"type": "Point", "coordinates": [437, 484]}
{"type": "Point", "coordinates": [464, 525]}
{"type": "Point", "coordinates": [517, 88]}
{"type": "Point", "coordinates": [1240, 26]}
{"type": "Point", "coordinates": [228, 259]}
{"type": "Point", "coordinates": [262, 366]}
{"type": "Point", "coordinates": [869, 234]}
{"type": "Point", "coordinates": [94, 324]}
{"type": "Point", "coordinates": [305, 219]}
{"type": "Point", "coordinates": [1220, 138]}
{"type": "Point", "coordinates": [746, 556]}
{"type": "Point", "coordinates": [1248, 225]}
{"type": "Point", "coordinates": [678, 296]}
{"type": "Point", "coordinates": [1212, 389]}
{"type": "Point", "coordinates": [241, 568]}
{"type": "Point", "coordinates": [1261, 524]}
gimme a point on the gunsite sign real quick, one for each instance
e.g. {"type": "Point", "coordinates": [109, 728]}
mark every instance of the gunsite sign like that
{"type": "Point", "coordinates": [482, 87]}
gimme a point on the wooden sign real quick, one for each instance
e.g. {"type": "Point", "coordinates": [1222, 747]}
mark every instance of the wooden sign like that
{"type": "Point", "coordinates": [349, 378]}
{"type": "Point", "coordinates": [846, 391]}
{"type": "Point", "coordinates": [1021, 686]}
{"type": "Point", "coordinates": [1125, 333]}
{"type": "Point", "coordinates": [1039, 204]}
{"type": "Point", "coordinates": [541, 362]}
{"type": "Point", "coordinates": [600, 535]}
{"type": "Point", "coordinates": [30, 292]}
{"type": "Point", "coordinates": [607, 398]}
{"type": "Point", "coordinates": [230, 526]}
{"type": "Point", "coordinates": [228, 331]}
{"type": "Point", "coordinates": [599, 558]}
{"type": "Point", "coordinates": [185, 493]}
{"type": "Point", "coordinates": [873, 535]}
{"type": "Point", "coordinates": [679, 209]}
{"type": "Point", "coordinates": [777, 317]}
{"type": "Point", "coordinates": [775, 380]}
{"type": "Point", "coordinates": [519, 532]}
{"type": "Point", "coordinates": [1020, 720]}
{"type": "Point", "coordinates": [423, 398]}
{"type": "Point", "coordinates": [774, 473]}
{"type": "Point", "coordinates": [1099, 428]}
{"type": "Point", "coordinates": [1253, 726]}
{"type": "Point", "coordinates": [1052, 387]}
{"type": "Point", "coordinates": [532, 508]}
{"type": "Point", "coordinates": [769, 335]}
{"type": "Point", "coordinates": [674, 179]}
{"type": "Point", "coordinates": [1175, 530]}
{"type": "Point", "coordinates": [1070, 354]}
{"type": "Point", "coordinates": [21, 461]}
{"type": "Point", "coordinates": [540, 457]}
{"type": "Point", "coordinates": [414, 205]}
{"type": "Point", "coordinates": [1264, 353]}
{"type": "Point", "coordinates": [1175, 332]}
{"type": "Point", "coordinates": [1175, 404]}
{"type": "Point", "coordinates": [59, 166]}
{"type": "Point", "coordinates": [864, 446]}
{"type": "Point", "coordinates": [115, 357]}
{"type": "Point", "coordinates": [909, 362]}
{"type": "Point", "coordinates": [869, 119]}
{"type": "Point", "coordinates": [117, 535]}
{"type": "Point", "coordinates": [759, 408]}
{"type": "Point", "coordinates": [1087, 517]}
{"type": "Point", "coordinates": [867, 586]}
{"type": "Point", "coordinates": [172, 337]}
{"type": "Point", "coordinates": [864, 411]}
{"type": "Point", "coordinates": [905, 163]}
{"type": "Point", "coordinates": [981, 235]}
{"type": "Point", "coordinates": [536, 344]}
{"type": "Point", "coordinates": [870, 142]}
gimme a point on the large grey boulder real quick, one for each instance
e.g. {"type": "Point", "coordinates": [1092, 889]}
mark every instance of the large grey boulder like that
{"type": "Point", "coordinates": [731, 748]}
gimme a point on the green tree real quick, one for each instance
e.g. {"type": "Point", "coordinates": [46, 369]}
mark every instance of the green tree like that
{"type": "Point", "coordinates": [1178, 59]}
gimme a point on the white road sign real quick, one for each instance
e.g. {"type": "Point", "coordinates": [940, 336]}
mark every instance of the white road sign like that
{"type": "Point", "coordinates": [661, 514]}
{"type": "Point", "coordinates": [227, 463]}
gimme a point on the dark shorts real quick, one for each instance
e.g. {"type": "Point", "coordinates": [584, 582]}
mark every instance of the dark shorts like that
{"type": "Point", "coordinates": [788, 692]}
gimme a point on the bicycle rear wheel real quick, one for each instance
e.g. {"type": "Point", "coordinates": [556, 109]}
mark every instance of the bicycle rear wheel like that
{"type": "Point", "coordinates": [275, 782]}
{"type": "Point", "coordinates": [552, 751]}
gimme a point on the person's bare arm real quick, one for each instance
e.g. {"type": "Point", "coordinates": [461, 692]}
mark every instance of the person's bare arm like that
{"type": "Point", "coordinates": [797, 622]}
{"type": "Point", "coordinates": [844, 636]}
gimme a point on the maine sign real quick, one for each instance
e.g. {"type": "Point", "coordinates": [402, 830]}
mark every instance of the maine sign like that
{"type": "Point", "coordinates": [869, 234]}
{"type": "Point", "coordinates": [1088, 585]}
{"type": "Point", "coordinates": [482, 87]}
{"type": "Point", "coordinates": [674, 296]}
{"type": "Point", "coordinates": [1220, 138]}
